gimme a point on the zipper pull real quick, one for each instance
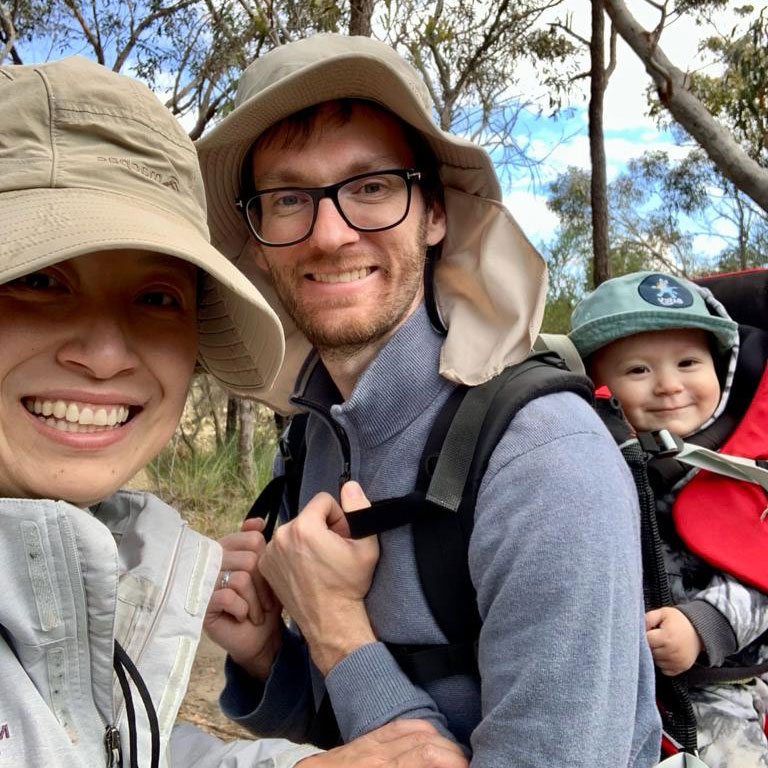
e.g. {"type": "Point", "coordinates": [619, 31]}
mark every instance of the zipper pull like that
{"type": "Point", "coordinates": [112, 745]}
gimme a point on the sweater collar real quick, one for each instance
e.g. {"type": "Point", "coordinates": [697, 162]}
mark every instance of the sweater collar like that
{"type": "Point", "coordinates": [395, 388]}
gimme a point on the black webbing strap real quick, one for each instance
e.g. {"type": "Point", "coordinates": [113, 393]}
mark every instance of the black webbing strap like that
{"type": "Point", "coordinates": [391, 513]}
{"type": "Point", "coordinates": [677, 713]}
{"type": "Point", "coordinates": [123, 664]}
{"type": "Point", "coordinates": [288, 485]}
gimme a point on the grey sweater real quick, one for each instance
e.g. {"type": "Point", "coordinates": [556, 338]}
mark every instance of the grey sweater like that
{"type": "Point", "coordinates": [566, 677]}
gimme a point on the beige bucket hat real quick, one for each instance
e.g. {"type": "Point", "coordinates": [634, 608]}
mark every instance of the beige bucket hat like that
{"type": "Point", "coordinates": [90, 161]}
{"type": "Point", "coordinates": [490, 283]}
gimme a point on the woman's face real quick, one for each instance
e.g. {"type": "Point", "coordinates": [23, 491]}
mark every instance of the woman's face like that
{"type": "Point", "coordinates": [96, 354]}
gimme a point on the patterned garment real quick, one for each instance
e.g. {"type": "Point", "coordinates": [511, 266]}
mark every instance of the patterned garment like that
{"type": "Point", "coordinates": [730, 722]}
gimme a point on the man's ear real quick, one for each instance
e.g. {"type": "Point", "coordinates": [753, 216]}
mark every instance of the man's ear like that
{"type": "Point", "coordinates": [256, 252]}
{"type": "Point", "coordinates": [435, 224]}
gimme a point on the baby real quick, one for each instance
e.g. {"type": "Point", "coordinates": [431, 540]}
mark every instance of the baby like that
{"type": "Point", "coordinates": [666, 349]}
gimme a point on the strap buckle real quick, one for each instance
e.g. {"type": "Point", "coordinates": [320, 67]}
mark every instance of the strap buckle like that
{"type": "Point", "coordinates": [660, 443]}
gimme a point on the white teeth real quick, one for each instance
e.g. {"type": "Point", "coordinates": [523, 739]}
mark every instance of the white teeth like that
{"type": "Point", "coordinates": [342, 277]}
{"type": "Point", "coordinates": [79, 416]}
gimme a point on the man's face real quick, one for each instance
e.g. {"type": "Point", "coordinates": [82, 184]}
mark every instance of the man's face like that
{"type": "Point", "coordinates": [663, 379]}
{"type": "Point", "coordinates": [346, 289]}
{"type": "Point", "coordinates": [96, 354]}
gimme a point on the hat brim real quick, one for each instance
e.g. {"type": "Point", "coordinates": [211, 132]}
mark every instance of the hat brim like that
{"type": "Point", "coordinates": [350, 75]}
{"type": "Point", "coordinates": [601, 331]}
{"type": "Point", "coordinates": [241, 342]}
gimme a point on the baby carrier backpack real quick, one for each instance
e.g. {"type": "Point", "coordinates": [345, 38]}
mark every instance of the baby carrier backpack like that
{"type": "Point", "coordinates": [451, 468]}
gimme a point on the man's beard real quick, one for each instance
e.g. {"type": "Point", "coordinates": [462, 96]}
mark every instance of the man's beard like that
{"type": "Point", "coordinates": [342, 339]}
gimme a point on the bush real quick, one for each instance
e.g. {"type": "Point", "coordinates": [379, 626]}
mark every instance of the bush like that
{"type": "Point", "coordinates": [205, 485]}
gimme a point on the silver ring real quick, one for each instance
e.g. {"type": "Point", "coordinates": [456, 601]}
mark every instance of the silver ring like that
{"type": "Point", "coordinates": [224, 579]}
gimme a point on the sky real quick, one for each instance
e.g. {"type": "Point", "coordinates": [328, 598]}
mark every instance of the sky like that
{"type": "Point", "coordinates": [629, 131]}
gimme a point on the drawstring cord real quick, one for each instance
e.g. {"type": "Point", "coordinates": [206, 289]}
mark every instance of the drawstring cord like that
{"type": "Point", "coordinates": [123, 664]}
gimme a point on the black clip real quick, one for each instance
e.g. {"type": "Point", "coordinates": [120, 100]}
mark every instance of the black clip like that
{"type": "Point", "coordinates": [660, 443]}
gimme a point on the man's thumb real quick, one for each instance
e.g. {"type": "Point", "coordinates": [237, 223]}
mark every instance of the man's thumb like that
{"type": "Point", "coordinates": [352, 497]}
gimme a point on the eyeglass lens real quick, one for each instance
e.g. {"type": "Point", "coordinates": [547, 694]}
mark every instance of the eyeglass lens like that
{"type": "Point", "coordinates": [371, 202]}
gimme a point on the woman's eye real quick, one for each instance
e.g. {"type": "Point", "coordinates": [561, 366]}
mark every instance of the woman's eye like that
{"type": "Point", "coordinates": [37, 281]}
{"type": "Point", "coordinates": [159, 299]}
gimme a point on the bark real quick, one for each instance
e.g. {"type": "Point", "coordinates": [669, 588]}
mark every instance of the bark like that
{"type": "Point", "coordinates": [8, 37]}
{"type": "Point", "coordinates": [670, 82]}
{"type": "Point", "coordinates": [230, 430]}
{"type": "Point", "coordinates": [601, 263]}
{"type": "Point", "coordinates": [360, 13]}
{"type": "Point", "coordinates": [247, 411]}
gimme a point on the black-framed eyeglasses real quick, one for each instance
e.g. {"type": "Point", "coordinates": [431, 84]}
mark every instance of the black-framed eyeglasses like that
{"type": "Point", "coordinates": [368, 202]}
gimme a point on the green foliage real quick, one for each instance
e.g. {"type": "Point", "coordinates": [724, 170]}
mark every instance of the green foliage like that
{"type": "Point", "coordinates": [739, 96]}
{"type": "Point", "coordinates": [205, 484]}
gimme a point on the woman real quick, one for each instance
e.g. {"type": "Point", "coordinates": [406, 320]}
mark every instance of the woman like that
{"type": "Point", "coordinates": [109, 295]}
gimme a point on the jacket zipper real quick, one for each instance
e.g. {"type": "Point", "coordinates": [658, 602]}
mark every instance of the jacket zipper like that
{"type": "Point", "coordinates": [341, 436]}
{"type": "Point", "coordinates": [111, 734]}
{"type": "Point", "coordinates": [112, 745]}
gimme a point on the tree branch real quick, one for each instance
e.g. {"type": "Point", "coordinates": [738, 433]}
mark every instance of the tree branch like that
{"type": "Point", "coordinates": [89, 35]}
{"type": "Point", "coordinates": [670, 82]}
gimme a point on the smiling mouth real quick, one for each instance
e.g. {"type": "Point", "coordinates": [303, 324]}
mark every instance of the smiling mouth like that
{"type": "Point", "coordinates": [341, 277]}
{"type": "Point", "coordinates": [73, 416]}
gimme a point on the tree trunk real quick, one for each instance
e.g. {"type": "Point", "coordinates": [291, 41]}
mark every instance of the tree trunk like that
{"type": "Point", "coordinates": [230, 429]}
{"type": "Point", "coordinates": [247, 411]}
{"type": "Point", "coordinates": [360, 13]}
{"type": "Point", "coordinates": [717, 142]}
{"type": "Point", "coordinates": [601, 264]}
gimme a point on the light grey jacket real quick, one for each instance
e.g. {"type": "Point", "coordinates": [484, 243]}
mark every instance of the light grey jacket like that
{"type": "Point", "coordinates": [75, 580]}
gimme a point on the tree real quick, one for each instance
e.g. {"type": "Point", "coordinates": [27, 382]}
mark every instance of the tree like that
{"type": "Point", "coordinates": [674, 92]}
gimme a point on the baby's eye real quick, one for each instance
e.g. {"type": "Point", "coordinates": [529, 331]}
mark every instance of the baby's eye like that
{"type": "Point", "coordinates": [688, 362]}
{"type": "Point", "coordinates": [637, 370]}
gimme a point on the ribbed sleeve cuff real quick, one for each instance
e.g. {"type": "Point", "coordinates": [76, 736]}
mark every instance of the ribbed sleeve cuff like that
{"type": "Point", "coordinates": [270, 707]}
{"type": "Point", "coordinates": [368, 688]}
{"type": "Point", "coordinates": [716, 633]}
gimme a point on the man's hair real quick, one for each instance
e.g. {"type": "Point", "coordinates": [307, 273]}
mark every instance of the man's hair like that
{"type": "Point", "coordinates": [294, 131]}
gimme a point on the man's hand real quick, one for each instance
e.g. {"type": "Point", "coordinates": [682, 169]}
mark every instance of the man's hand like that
{"type": "Point", "coordinates": [243, 615]}
{"type": "Point", "coordinates": [400, 744]}
{"type": "Point", "coordinates": [675, 644]}
{"type": "Point", "coordinates": [322, 577]}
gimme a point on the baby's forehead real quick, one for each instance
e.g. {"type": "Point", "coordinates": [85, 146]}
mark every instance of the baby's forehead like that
{"type": "Point", "coordinates": [660, 343]}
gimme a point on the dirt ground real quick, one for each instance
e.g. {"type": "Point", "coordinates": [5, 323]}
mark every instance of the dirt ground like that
{"type": "Point", "coordinates": [200, 705]}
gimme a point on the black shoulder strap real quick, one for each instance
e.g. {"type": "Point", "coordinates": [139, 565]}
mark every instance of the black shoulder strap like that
{"type": "Point", "coordinates": [293, 449]}
{"type": "Point", "coordinates": [480, 422]}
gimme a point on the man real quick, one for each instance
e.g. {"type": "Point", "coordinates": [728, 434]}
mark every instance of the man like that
{"type": "Point", "coordinates": [344, 185]}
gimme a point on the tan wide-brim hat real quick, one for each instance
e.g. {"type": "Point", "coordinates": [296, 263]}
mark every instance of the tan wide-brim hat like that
{"type": "Point", "coordinates": [490, 283]}
{"type": "Point", "coordinates": [92, 161]}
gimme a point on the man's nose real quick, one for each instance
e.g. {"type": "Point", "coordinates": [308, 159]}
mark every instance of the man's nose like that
{"type": "Point", "coordinates": [100, 345]}
{"type": "Point", "coordinates": [331, 231]}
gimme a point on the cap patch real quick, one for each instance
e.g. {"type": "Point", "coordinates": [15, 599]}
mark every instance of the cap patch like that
{"type": "Point", "coordinates": [664, 291]}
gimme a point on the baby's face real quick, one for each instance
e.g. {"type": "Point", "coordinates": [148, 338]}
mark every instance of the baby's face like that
{"type": "Point", "coordinates": [663, 379]}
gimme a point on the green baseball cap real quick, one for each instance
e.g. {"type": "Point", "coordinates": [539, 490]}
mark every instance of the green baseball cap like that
{"type": "Point", "coordinates": [647, 301]}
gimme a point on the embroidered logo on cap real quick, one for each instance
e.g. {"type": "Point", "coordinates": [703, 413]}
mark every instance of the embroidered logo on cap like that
{"type": "Point", "coordinates": [664, 291]}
